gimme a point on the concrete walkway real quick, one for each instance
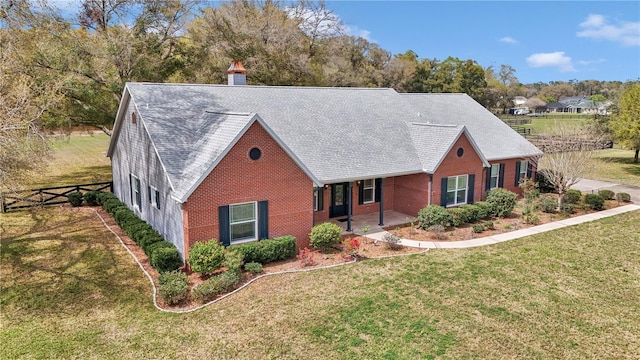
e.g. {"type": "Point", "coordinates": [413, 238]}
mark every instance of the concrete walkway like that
{"type": "Point", "coordinates": [494, 239]}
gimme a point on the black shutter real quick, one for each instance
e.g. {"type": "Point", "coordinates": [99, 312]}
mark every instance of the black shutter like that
{"type": "Point", "coordinates": [443, 192]}
{"type": "Point", "coordinates": [470, 188]}
{"type": "Point", "coordinates": [378, 189]}
{"type": "Point", "coordinates": [131, 187]}
{"type": "Point", "coordinates": [320, 199]}
{"type": "Point", "coordinates": [488, 184]}
{"type": "Point", "coordinates": [529, 170]}
{"type": "Point", "coordinates": [361, 192]}
{"type": "Point", "coordinates": [158, 199]}
{"type": "Point", "coordinates": [263, 219]}
{"type": "Point", "coordinates": [517, 182]}
{"type": "Point", "coordinates": [501, 176]}
{"type": "Point", "coordinates": [223, 219]}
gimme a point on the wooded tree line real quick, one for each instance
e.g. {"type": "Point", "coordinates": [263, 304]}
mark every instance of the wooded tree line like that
{"type": "Point", "coordinates": [84, 60]}
{"type": "Point", "coordinates": [59, 69]}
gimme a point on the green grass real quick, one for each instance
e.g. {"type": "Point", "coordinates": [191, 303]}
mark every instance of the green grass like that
{"type": "Point", "coordinates": [70, 291]}
{"type": "Point", "coordinates": [76, 159]}
{"type": "Point", "coordinates": [616, 165]}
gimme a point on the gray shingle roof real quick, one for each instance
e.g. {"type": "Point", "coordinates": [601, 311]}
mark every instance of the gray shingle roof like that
{"type": "Point", "coordinates": [495, 139]}
{"type": "Point", "coordinates": [334, 134]}
{"type": "Point", "coordinates": [433, 142]}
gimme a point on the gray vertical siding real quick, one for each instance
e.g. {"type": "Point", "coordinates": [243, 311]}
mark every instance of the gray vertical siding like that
{"type": "Point", "coordinates": [134, 154]}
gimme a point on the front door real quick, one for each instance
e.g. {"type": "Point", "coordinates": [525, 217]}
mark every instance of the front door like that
{"type": "Point", "coordinates": [338, 200]}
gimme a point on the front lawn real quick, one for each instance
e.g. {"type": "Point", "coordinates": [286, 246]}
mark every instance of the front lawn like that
{"type": "Point", "coordinates": [616, 165]}
{"type": "Point", "coordinates": [70, 291]}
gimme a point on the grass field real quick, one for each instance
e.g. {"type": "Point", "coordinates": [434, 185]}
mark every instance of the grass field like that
{"type": "Point", "coordinates": [616, 165]}
{"type": "Point", "coordinates": [75, 159]}
{"type": "Point", "coordinates": [70, 291]}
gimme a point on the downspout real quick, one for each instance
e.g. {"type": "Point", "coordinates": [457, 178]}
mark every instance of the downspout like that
{"type": "Point", "coordinates": [349, 207]}
{"type": "Point", "coordinates": [381, 202]}
{"type": "Point", "coordinates": [430, 189]}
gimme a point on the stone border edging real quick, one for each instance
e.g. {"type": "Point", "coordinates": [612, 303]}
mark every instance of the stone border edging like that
{"type": "Point", "coordinates": [182, 311]}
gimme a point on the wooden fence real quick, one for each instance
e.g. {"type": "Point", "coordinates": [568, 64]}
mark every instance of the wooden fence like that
{"type": "Point", "coordinates": [24, 199]}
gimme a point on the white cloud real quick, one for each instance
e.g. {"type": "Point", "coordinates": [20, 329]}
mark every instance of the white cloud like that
{"type": "Point", "coordinates": [509, 40]}
{"type": "Point", "coordinates": [555, 59]}
{"type": "Point", "coordinates": [357, 32]}
{"type": "Point", "coordinates": [597, 27]}
{"type": "Point", "coordinates": [591, 62]}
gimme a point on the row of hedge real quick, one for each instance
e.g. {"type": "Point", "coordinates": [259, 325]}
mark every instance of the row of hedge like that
{"type": "Point", "coordinates": [500, 202]}
{"type": "Point", "coordinates": [266, 251]}
{"type": "Point", "coordinates": [163, 255]}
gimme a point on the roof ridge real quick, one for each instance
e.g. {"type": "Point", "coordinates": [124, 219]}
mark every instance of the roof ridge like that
{"type": "Point", "coordinates": [437, 125]}
{"type": "Point", "coordinates": [263, 86]}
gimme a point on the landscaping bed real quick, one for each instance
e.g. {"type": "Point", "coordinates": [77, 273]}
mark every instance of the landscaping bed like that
{"type": "Point", "coordinates": [318, 259]}
{"type": "Point", "coordinates": [514, 221]}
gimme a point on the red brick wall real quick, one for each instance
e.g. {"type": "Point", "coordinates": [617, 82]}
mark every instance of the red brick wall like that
{"type": "Point", "coordinates": [236, 179]}
{"type": "Point", "coordinates": [452, 165]}
{"type": "Point", "coordinates": [411, 193]}
{"type": "Point", "coordinates": [510, 174]}
{"type": "Point", "coordinates": [374, 207]}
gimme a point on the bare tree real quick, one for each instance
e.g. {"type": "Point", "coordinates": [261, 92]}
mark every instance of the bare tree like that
{"type": "Point", "coordinates": [568, 155]}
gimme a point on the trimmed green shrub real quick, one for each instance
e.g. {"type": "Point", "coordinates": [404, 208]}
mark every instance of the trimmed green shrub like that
{"type": "Point", "coordinates": [148, 239]}
{"type": "Point", "coordinates": [173, 287]}
{"type": "Point", "coordinates": [166, 258]}
{"type": "Point", "coordinates": [433, 215]}
{"type": "Point", "coordinates": [544, 185]}
{"type": "Point", "coordinates": [325, 235]}
{"type": "Point", "coordinates": [206, 257]}
{"type": "Point", "coordinates": [215, 286]}
{"type": "Point", "coordinates": [548, 203]}
{"type": "Point", "coordinates": [138, 231]}
{"type": "Point", "coordinates": [594, 201]}
{"type": "Point", "coordinates": [485, 210]}
{"type": "Point", "coordinates": [502, 201]}
{"type": "Point", "coordinates": [253, 267]}
{"type": "Point", "coordinates": [102, 197]}
{"type": "Point", "coordinates": [568, 208]}
{"type": "Point", "coordinates": [124, 217]}
{"type": "Point", "coordinates": [458, 216]}
{"type": "Point", "coordinates": [623, 197]}
{"type": "Point", "coordinates": [233, 260]}
{"type": "Point", "coordinates": [489, 225]}
{"type": "Point", "coordinates": [607, 194]}
{"type": "Point", "coordinates": [91, 197]}
{"type": "Point", "coordinates": [478, 228]}
{"type": "Point", "coordinates": [111, 205]}
{"type": "Point", "coordinates": [472, 213]}
{"type": "Point", "coordinates": [266, 251]}
{"type": "Point", "coordinates": [75, 198]}
{"type": "Point", "coordinates": [572, 196]}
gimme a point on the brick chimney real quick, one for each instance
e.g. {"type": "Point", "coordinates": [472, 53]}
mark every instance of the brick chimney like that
{"type": "Point", "coordinates": [236, 74]}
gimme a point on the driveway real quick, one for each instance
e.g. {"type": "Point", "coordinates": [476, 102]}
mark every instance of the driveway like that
{"type": "Point", "coordinates": [592, 186]}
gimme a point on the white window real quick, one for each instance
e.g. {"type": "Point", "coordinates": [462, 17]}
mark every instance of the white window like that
{"type": "Point", "coordinates": [315, 199]}
{"type": "Point", "coordinates": [243, 222]}
{"type": "Point", "coordinates": [495, 174]}
{"type": "Point", "coordinates": [136, 193]}
{"type": "Point", "coordinates": [457, 190]}
{"type": "Point", "coordinates": [523, 170]}
{"type": "Point", "coordinates": [368, 191]}
{"type": "Point", "coordinates": [154, 197]}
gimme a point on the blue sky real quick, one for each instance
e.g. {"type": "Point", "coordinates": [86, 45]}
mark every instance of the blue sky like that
{"type": "Point", "coordinates": [542, 40]}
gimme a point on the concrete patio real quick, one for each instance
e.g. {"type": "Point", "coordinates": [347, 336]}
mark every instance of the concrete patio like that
{"type": "Point", "coordinates": [390, 217]}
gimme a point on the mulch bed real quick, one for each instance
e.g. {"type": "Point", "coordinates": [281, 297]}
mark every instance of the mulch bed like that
{"type": "Point", "coordinates": [368, 248]}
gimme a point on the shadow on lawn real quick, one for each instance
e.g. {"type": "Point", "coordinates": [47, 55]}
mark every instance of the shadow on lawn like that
{"type": "Point", "coordinates": [68, 265]}
{"type": "Point", "coordinates": [84, 175]}
{"type": "Point", "coordinates": [632, 168]}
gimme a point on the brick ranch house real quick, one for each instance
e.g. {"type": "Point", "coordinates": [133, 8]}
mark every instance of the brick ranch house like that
{"type": "Point", "coordinates": [244, 163]}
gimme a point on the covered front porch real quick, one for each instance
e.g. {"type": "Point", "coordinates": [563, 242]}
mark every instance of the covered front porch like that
{"type": "Point", "coordinates": [391, 218]}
